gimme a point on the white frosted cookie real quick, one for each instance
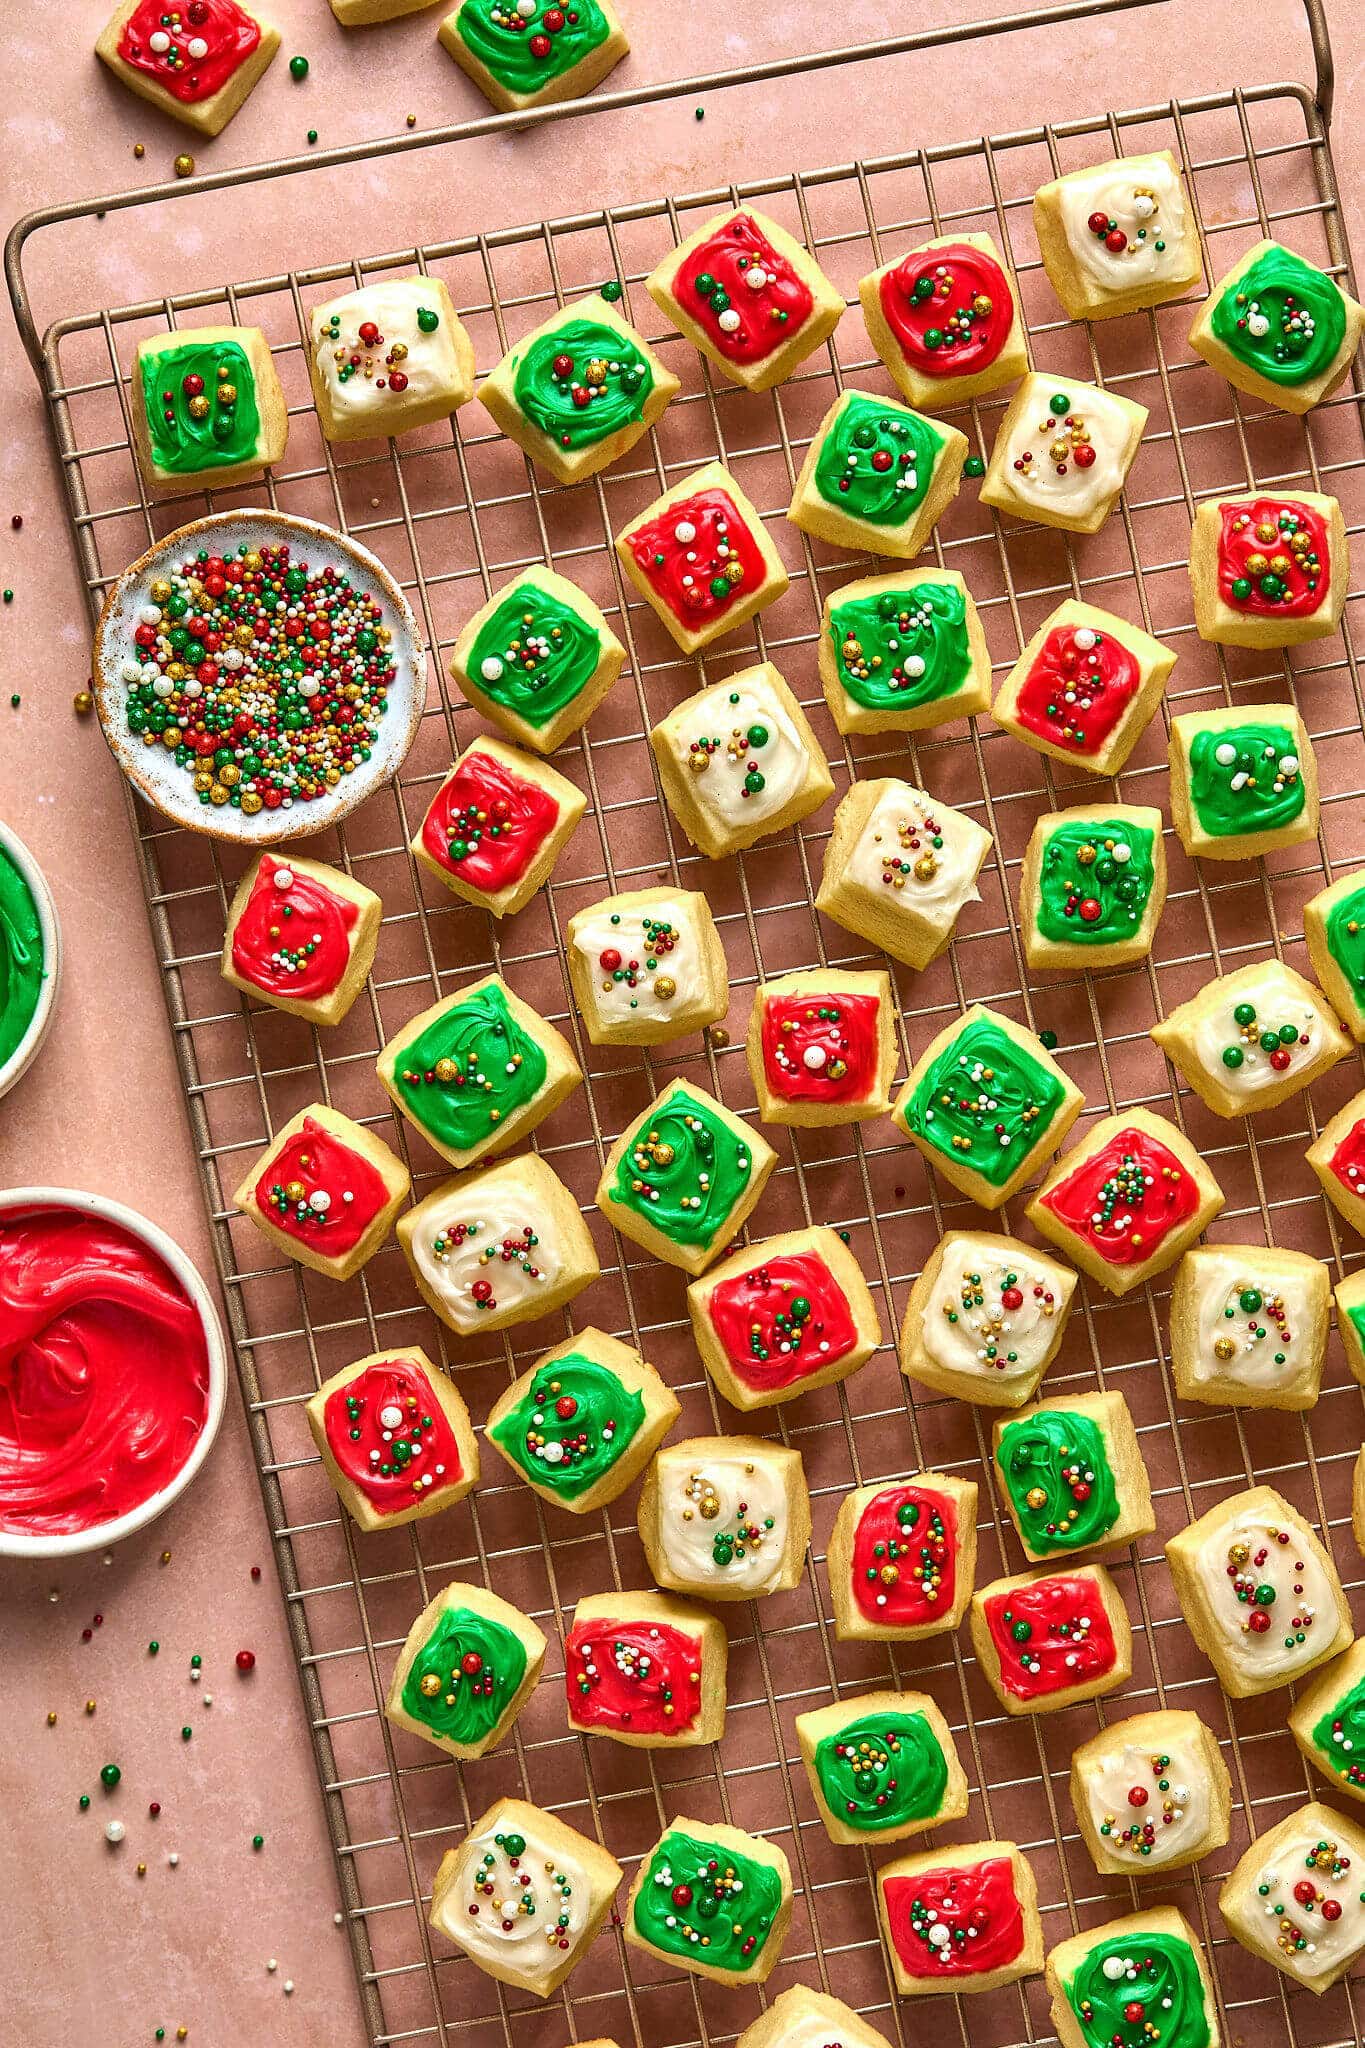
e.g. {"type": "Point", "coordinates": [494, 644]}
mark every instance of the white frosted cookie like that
{"type": "Point", "coordinates": [1252, 1039]}
{"type": "Point", "coordinates": [900, 868]}
{"type": "Point", "coordinates": [1277, 1900]}
{"type": "Point", "coordinates": [1151, 1793]}
{"type": "Point", "coordinates": [725, 1517]}
{"type": "Point", "coordinates": [502, 1245]}
{"type": "Point", "coordinates": [1249, 1326]}
{"type": "Point", "coordinates": [387, 357]}
{"type": "Point", "coordinates": [1117, 237]}
{"type": "Point", "coordinates": [798, 2018]}
{"type": "Point", "coordinates": [646, 966]}
{"type": "Point", "coordinates": [739, 761]}
{"type": "Point", "coordinates": [1062, 453]}
{"type": "Point", "coordinates": [985, 1318]}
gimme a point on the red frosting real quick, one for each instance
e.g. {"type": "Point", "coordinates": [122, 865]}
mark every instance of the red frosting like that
{"type": "Point", "coordinates": [681, 572]}
{"type": "Point", "coordinates": [1075, 696]}
{"type": "Point", "coordinates": [1249, 528]}
{"type": "Point", "coordinates": [359, 1420]}
{"type": "Point", "coordinates": [323, 1165]}
{"type": "Point", "coordinates": [1068, 1642]}
{"type": "Point", "coordinates": [229, 34]}
{"type": "Point", "coordinates": [634, 1677]}
{"type": "Point", "coordinates": [905, 1556]}
{"type": "Point", "coordinates": [501, 819]}
{"type": "Point", "coordinates": [841, 1028]}
{"type": "Point", "coordinates": [978, 1905]}
{"type": "Point", "coordinates": [1125, 1198]}
{"type": "Point", "coordinates": [815, 1329]}
{"type": "Point", "coordinates": [1348, 1161]}
{"type": "Point", "coordinates": [928, 291]}
{"type": "Point", "coordinates": [304, 922]}
{"type": "Point", "coordinates": [769, 314]}
{"type": "Point", "coordinates": [104, 1372]}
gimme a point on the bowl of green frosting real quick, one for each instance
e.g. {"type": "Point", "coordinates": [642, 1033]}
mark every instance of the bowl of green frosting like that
{"type": "Point", "coordinates": [30, 957]}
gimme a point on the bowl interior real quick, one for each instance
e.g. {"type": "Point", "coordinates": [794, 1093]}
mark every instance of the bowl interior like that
{"type": "Point", "coordinates": [36, 881]}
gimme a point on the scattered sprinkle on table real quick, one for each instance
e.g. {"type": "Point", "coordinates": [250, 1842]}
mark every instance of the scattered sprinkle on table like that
{"type": "Point", "coordinates": [109, 1776]}
{"type": "Point", "coordinates": [974, 466]}
{"type": "Point", "coordinates": [82, 703]}
{"type": "Point", "coordinates": [312, 134]}
{"type": "Point", "coordinates": [184, 166]}
{"type": "Point", "coordinates": [246, 1660]}
{"type": "Point", "coordinates": [298, 67]}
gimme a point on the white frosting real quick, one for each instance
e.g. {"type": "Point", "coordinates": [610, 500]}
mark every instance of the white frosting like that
{"type": "Point", "coordinates": [996, 1342]}
{"type": "Point", "coordinates": [812, 2030]}
{"type": "Point", "coordinates": [1277, 1001]}
{"type": "Point", "coordinates": [782, 761]}
{"type": "Point", "coordinates": [699, 1506]}
{"type": "Point", "coordinates": [1045, 443]}
{"type": "Point", "coordinates": [622, 998]}
{"type": "Point", "coordinates": [1178, 1817]}
{"type": "Point", "coordinates": [430, 364]}
{"type": "Point", "coordinates": [474, 1226]}
{"type": "Point", "coordinates": [1285, 1566]}
{"type": "Point", "coordinates": [1278, 1917]}
{"type": "Point", "coordinates": [942, 868]}
{"type": "Point", "coordinates": [1144, 200]}
{"type": "Point", "coordinates": [502, 1931]}
{"type": "Point", "coordinates": [1262, 1336]}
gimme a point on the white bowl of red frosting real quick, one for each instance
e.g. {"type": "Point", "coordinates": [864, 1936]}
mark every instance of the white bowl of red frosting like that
{"type": "Point", "coordinates": [113, 1371]}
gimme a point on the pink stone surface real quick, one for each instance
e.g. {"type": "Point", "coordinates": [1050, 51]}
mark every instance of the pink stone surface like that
{"type": "Point", "coordinates": [97, 1952]}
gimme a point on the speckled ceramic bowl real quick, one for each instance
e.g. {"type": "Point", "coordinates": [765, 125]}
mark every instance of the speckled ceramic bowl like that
{"type": "Point", "coordinates": [153, 770]}
{"type": "Point", "coordinates": [26, 1050]}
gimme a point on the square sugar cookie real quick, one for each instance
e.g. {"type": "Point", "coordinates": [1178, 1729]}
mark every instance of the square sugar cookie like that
{"type": "Point", "coordinates": [902, 1558]}
{"type": "Point", "coordinates": [470, 1663]}
{"type": "Point", "coordinates": [945, 320]}
{"type": "Point", "coordinates": [388, 357]}
{"type": "Point", "coordinates": [1118, 237]}
{"type": "Point", "coordinates": [1278, 328]}
{"type": "Point", "coordinates": [782, 1316]}
{"type": "Point", "coordinates": [537, 659]}
{"type": "Point", "coordinates": [1048, 1639]}
{"type": "Point", "coordinates": [985, 1104]}
{"type": "Point", "coordinates": [900, 868]}
{"type": "Point", "coordinates": [725, 1517]}
{"type": "Point", "coordinates": [878, 476]}
{"type": "Point", "coordinates": [1327, 1720]}
{"type": "Point", "coordinates": [1251, 1039]}
{"type": "Point", "coordinates": [985, 1318]}
{"type": "Point", "coordinates": [1151, 1793]}
{"type": "Point", "coordinates": [515, 1854]}
{"type": "Point", "coordinates": [822, 1046]}
{"type": "Point", "coordinates": [647, 1670]}
{"type": "Point", "coordinates": [364, 13]}
{"type": "Point", "coordinates": [301, 936]}
{"type": "Point", "coordinates": [1268, 570]}
{"type": "Point", "coordinates": [1093, 886]}
{"type": "Point", "coordinates": [206, 408]}
{"type": "Point", "coordinates": [1334, 926]}
{"type": "Point", "coordinates": [747, 295]}
{"type": "Point", "coordinates": [1062, 453]}
{"type": "Point", "coordinates": [646, 966]}
{"type": "Point", "coordinates": [197, 66]}
{"type": "Point", "coordinates": [881, 1766]}
{"type": "Point", "coordinates": [685, 1177]}
{"type": "Point", "coordinates": [1337, 1157]}
{"type": "Point", "coordinates": [711, 1900]}
{"type": "Point", "coordinates": [701, 558]}
{"type": "Point", "coordinates": [1085, 688]}
{"type": "Point", "coordinates": [901, 652]}
{"type": "Point", "coordinates": [325, 1191]}
{"type": "Point", "coordinates": [1139, 1978]}
{"type": "Point", "coordinates": [527, 53]}
{"type": "Point", "coordinates": [1259, 1593]}
{"type": "Point", "coordinates": [502, 1245]}
{"type": "Point", "coordinates": [1243, 781]}
{"type": "Point", "coordinates": [738, 762]}
{"type": "Point", "coordinates": [579, 390]}
{"type": "Point", "coordinates": [800, 2018]}
{"type": "Point", "coordinates": [1127, 1200]}
{"type": "Point", "coordinates": [476, 1072]}
{"type": "Point", "coordinates": [394, 1437]}
{"type": "Point", "coordinates": [1249, 1326]}
{"type": "Point", "coordinates": [962, 1918]}
{"type": "Point", "coordinates": [1349, 1295]}
{"type": "Point", "coordinates": [583, 1422]}
{"type": "Point", "coordinates": [496, 826]}
{"type": "Point", "coordinates": [1262, 1904]}
{"type": "Point", "coordinates": [1072, 1476]}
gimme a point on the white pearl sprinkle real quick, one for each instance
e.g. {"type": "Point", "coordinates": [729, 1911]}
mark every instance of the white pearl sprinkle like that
{"type": "Point", "coordinates": [113, 1831]}
{"type": "Point", "coordinates": [490, 668]}
{"type": "Point", "coordinates": [683, 532]}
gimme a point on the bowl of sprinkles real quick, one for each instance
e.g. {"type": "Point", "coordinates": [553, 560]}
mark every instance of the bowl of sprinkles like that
{"type": "Point", "coordinates": [30, 957]}
{"type": "Point", "coordinates": [257, 676]}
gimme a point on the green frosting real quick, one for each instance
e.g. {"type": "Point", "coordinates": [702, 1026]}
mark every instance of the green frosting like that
{"type": "Point", "coordinates": [572, 1424]}
{"type": "Point", "coordinates": [902, 648]}
{"type": "Point", "coordinates": [1283, 318]}
{"type": "Point", "coordinates": [877, 460]}
{"type": "Point", "coordinates": [1346, 941]}
{"type": "Point", "coordinates": [23, 967]}
{"type": "Point", "coordinates": [1357, 1316]}
{"type": "Point", "coordinates": [509, 44]}
{"type": "Point", "coordinates": [685, 1170]}
{"type": "Point", "coordinates": [1339, 1736]}
{"type": "Point", "coordinates": [882, 1771]}
{"type": "Point", "coordinates": [1239, 781]}
{"type": "Point", "coordinates": [1158, 1997]}
{"type": "Point", "coordinates": [470, 1070]}
{"type": "Point", "coordinates": [534, 655]}
{"type": "Point", "coordinates": [985, 1103]}
{"type": "Point", "coordinates": [1060, 1482]}
{"type": "Point", "coordinates": [213, 380]}
{"type": "Point", "coordinates": [479, 1664]}
{"type": "Point", "coordinates": [582, 382]}
{"type": "Point", "coordinates": [1094, 882]}
{"type": "Point", "coordinates": [707, 1904]}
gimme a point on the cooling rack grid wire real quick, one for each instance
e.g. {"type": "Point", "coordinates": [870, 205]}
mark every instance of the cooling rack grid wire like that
{"type": "Point", "coordinates": [453, 512]}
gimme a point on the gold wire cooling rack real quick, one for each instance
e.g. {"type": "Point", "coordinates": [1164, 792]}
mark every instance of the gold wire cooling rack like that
{"type": "Point", "coordinates": [454, 511]}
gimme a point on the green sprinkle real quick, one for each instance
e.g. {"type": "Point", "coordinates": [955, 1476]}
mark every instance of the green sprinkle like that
{"type": "Point", "coordinates": [1048, 1040]}
{"type": "Point", "coordinates": [974, 466]}
{"type": "Point", "coordinates": [258, 1841]}
{"type": "Point", "coordinates": [109, 1776]}
{"type": "Point", "coordinates": [312, 134]}
{"type": "Point", "coordinates": [186, 1733]}
{"type": "Point", "coordinates": [701, 113]}
{"type": "Point", "coordinates": [298, 67]}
